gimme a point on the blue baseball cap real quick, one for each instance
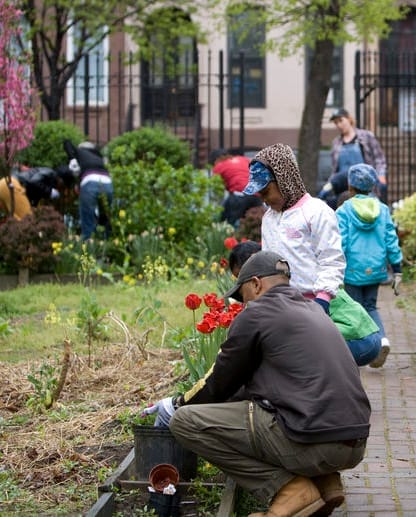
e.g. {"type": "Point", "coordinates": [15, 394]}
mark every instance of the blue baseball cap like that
{"type": "Point", "coordinates": [260, 177]}
{"type": "Point", "coordinates": [362, 177]}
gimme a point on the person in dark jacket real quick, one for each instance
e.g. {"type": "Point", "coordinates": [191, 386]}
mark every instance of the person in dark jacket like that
{"type": "Point", "coordinates": [31, 186]}
{"type": "Point", "coordinates": [282, 409]}
{"type": "Point", "coordinates": [95, 187]}
{"type": "Point", "coordinates": [234, 173]}
{"type": "Point", "coordinates": [44, 183]}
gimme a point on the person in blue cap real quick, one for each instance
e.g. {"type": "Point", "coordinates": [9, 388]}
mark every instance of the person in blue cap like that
{"type": "Point", "coordinates": [296, 225]}
{"type": "Point", "coordinates": [370, 243]}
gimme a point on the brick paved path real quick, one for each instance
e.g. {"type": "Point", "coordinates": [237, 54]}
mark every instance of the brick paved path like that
{"type": "Point", "coordinates": [384, 484]}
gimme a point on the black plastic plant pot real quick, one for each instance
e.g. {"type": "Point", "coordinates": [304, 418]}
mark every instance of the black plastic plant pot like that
{"type": "Point", "coordinates": [155, 445]}
{"type": "Point", "coordinates": [165, 505]}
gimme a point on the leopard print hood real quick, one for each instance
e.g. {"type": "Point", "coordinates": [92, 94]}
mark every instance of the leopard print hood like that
{"type": "Point", "coordinates": [280, 159]}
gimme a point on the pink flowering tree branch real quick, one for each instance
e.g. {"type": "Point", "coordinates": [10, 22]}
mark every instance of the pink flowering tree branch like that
{"type": "Point", "coordinates": [17, 116]}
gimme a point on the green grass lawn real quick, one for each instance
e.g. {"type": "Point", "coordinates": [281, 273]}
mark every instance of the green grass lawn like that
{"type": "Point", "coordinates": [40, 316]}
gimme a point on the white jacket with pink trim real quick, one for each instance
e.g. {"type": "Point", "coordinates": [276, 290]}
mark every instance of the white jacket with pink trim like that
{"type": "Point", "coordinates": [307, 236]}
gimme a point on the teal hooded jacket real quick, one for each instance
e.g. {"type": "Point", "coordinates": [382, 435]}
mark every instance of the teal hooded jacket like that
{"type": "Point", "coordinates": [369, 239]}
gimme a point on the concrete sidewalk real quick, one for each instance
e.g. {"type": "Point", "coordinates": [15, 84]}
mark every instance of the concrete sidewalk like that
{"type": "Point", "coordinates": [384, 484]}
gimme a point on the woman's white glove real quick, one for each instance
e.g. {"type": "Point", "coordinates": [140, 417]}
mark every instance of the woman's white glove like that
{"type": "Point", "coordinates": [397, 280]}
{"type": "Point", "coordinates": [165, 411]}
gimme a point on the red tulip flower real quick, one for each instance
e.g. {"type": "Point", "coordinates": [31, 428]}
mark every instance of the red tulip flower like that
{"type": "Point", "coordinates": [223, 262]}
{"type": "Point", "coordinates": [230, 242]}
{"type": "Point", "coordinates": [193, 301]}
{"type": "Point", "coordinates": [225, 319]}
{"type": "Point", "coordinates": [210, 299]}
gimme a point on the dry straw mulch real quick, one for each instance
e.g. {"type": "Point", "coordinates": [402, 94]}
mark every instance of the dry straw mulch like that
{"type": "Point", "coordinates": [81, 433]}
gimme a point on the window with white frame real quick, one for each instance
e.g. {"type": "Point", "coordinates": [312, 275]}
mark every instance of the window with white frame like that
{"type": "Point", "coordinates": [90, 80]}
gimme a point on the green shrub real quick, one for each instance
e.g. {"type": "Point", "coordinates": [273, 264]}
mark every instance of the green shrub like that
{"type": "Point", "coordinates": [180, 204]}
{"type": "Point", "coordinates": [404, 216]}
{"type": "Point", "coordinates": [46, 149]}
{"type": "Point", "coordinates": [148, 144]}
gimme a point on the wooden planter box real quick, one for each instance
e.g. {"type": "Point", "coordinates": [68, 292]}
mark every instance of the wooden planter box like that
{"type": "Point", "coordinates": [126, 491]}
{"type": "Point", "coordinates": [124, 480]}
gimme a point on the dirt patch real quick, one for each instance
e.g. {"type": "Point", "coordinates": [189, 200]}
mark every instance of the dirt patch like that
{"type": "Point", "coordinates": [54, 460]}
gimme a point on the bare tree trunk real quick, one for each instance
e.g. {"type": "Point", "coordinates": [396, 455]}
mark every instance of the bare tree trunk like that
{"type": "Point", "coordinates": [309, 143]}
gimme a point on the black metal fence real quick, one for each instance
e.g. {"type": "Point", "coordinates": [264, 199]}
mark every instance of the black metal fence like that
{"type": "Point", "coordinates": [385, 89]}
{"type": "Point", "coordinates": [132, 95]}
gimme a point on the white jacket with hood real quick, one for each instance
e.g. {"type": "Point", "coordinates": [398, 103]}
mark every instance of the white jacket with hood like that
{"type": "Point", "coordinates": [305, 232]}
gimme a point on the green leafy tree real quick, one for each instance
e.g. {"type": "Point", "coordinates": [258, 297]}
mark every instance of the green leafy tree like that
{"type": "Point", "coordinates": [49, 23]}
{"type": "Point", "coordinates": [320, 25]}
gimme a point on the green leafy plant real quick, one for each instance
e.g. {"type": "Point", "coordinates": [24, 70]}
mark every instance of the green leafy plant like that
{"type": "Point", "coordinates": [9, 487]}
{"type": "Point", "coordinates": [90, 320]}
{"type": "Point", "coordinates": [245, 503]}
{"type": "Point", "coordinates": [5, 327]}
{"type": "Point", "coordinates": [176, 215]}
{"type": "Point", "coordinates": [141, 418]}
{"type": "Point", "coordinates": [47, 148]}
{"type": "Point", "coordinates": [87, 265]}
{"type": "Point", "coordinates": [209, 497]}
{"type": "Point", "coordinates": [45, 383]}
{"type": "Point", "coordinates": [404, 215]}
{"type": "Point", "coordinates": [147, 144]}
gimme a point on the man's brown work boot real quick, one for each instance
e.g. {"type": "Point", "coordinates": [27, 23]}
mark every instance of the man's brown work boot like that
{"type": "Point", "coordinates": [299, 498]}
{"type": "Point", "coordinates": [332, 492]}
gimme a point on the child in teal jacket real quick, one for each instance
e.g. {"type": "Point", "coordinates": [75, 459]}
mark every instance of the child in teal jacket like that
{"type": "Point", "coordinates": [370, 243]}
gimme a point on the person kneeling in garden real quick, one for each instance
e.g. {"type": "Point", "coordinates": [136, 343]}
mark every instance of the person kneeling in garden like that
{"type": "Point", "coordinates": [359, 330]}
{"type": "Point", "coordinates": [282, 410]}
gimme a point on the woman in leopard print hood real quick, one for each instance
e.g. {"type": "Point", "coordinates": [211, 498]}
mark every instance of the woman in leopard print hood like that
{"type": "Point", "coordinates": [300, 228]}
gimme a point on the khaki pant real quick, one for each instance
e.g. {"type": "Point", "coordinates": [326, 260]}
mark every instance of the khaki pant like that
{"type": "Point", "coordinates": [246, 443]}
{"type": "Point", "coordinates": [21, 203]}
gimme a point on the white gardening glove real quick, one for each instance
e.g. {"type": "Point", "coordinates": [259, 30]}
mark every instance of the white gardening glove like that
{"type": "Point", "coordinates": [54, 194]}
{"type": "Point", "coordinates": [397, 280]}
{"type": "Point", "coordinates": [74, 167]}
{"type": "Point", "coordinates": [165, 411]}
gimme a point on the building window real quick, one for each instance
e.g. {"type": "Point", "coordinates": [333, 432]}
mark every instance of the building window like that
{"type": "Point", "coordinates": [335, 97]}
{"type": "Point", "coordinates": [94, 66]}
{"type": "Point", "coordinates": [244, 37]}
{"type": "Point", "coordinates": [397, 69]}
{"type": "Point", "coordinates": [169, 73]}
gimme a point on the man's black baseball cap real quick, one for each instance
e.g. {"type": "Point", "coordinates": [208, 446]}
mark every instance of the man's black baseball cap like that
{"type": "Point", "coordinates": [261, 264]}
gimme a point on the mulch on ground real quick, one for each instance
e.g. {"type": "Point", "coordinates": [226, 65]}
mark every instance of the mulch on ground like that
{"type": "Point", "coordinates": [84, 433]}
